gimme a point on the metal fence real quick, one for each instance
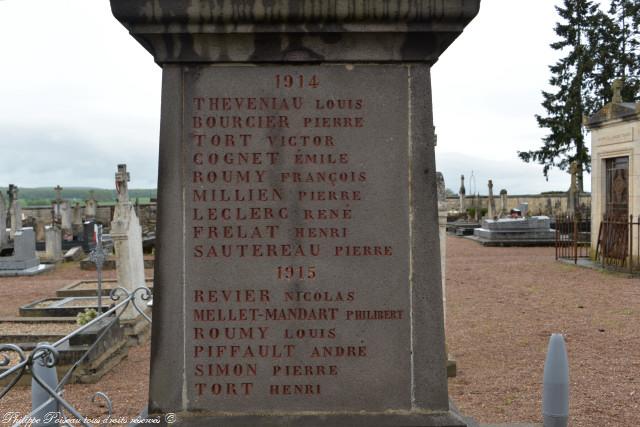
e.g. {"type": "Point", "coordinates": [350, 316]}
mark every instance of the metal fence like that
{"type": "Point", "coordinates": [618, 243]}
{"type": "Point", "coordinates": [45, 356]}
{"type": "Point", "coordinates": [573, 237]}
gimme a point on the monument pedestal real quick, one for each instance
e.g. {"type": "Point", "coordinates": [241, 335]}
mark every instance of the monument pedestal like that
{"type": "Point", "coordinates": [409, 419]}
{"type": "Point", "coordinates": [298, 276]}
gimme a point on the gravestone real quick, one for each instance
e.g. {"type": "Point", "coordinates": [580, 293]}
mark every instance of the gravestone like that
{"type": "Point", "coordinates": [524, 208]}
{"type": "Point", "coordinates": [462, 192]}
{"type": "Point", "coordinates": [88, 235]}
{"type": "Point", "coordinates": [76, 221]}
{"type": "Point", "coordinates": [53, 243]}
{"type": "Point", "coordinates": [15, 212]}
{"type": "Point", "coordinates": [23, 257]}
{"type": "Point", "coordinates": [548, 207]}
{"type": "Point", "coordinates": [297, 272]}
{"type": "Point", "coordinates": [491, 203]}
{"type": "Point", "coordinates": [127, 241]}
{"type": "Point", "coordinates": [62, 215]}
{"type": "Point", "coordinates": [40, 230]}
{"type": "Point", "coordinates": [90, 207]}
{"type": "Point", "coordinates": [504, 203]}
{"type": "Point", "coordinates": [66, 222]}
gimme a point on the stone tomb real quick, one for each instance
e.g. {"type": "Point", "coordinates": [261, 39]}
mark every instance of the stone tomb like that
{"type": "Point", "coordinates": [298, 273]}
{"type": "Point", "coordinates": [531, 231]}
{"type": "Point", "coordinates": [21, 260]}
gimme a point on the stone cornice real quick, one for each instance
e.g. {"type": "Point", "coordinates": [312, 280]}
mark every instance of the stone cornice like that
{"type": "Point", "coordinates": [295, 30]}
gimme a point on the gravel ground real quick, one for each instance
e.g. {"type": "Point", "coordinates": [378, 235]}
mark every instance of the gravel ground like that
{"type": "Point", "coordinates": [126, 385]}
{"type": "Point", "coordinates": [502, 305]}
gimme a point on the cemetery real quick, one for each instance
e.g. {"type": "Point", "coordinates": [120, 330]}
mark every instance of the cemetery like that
{"type": "Point", "coordinates": [302, 261]}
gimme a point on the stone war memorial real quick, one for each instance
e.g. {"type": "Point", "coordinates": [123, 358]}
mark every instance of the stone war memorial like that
{"type": "Point", "coordinates": [298, 271]}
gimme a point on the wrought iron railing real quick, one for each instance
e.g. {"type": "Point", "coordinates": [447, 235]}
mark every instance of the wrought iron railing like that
{"type": "Point", "coordinates": [47, 355]}
{"type": "Point", "coordinates": [572, 237]}
{"type": "Point", "coordinates": [619, 243]}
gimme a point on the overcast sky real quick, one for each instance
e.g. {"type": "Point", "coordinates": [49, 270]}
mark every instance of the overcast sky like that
{"type": "Point", "coordinates": [78, 95]}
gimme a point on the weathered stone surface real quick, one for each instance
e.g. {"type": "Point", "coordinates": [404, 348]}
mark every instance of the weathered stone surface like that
{"type": "Point", "coordinates": [16, 212]}
{"type": "Point", "coordinates": [294, 31]}
{"type": "Point", "coordinates": [24, 252]}
{"type": "Point", "coordinates": [127, 242]}
{"type": "Point", "coordinates": [53, 243]}
{"type": "Point", "coordinates": [526, 224]}
{"type": "Point", "coordinates": [396, 274]}
{"type": "Point", "coordinates": [74, 254]}
{"type": "Point", "coordinates": [516, 230]}
{"type": "Point", "coordinates": [90, 207]}
{"type": "Point", "coordinates": [298, 277]}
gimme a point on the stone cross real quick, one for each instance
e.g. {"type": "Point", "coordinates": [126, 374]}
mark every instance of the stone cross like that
{"type": "Point", "coordinates": [58, 191]}
{"type": "Point", "coordinates": [478, 207]}
{"type": "Point", "coordinates": [98, 256]}
{"type": "Point", "coordinates": [56, 211]}
{"type": "Point", "coordinates": [491, 204]}
{"type": "Point", "coordinates": [503, 202]}
{"type": "Point", "coordinates": [127, 243]}
{"type": "Point", "coordinates": [462, 193]}
{"type": "Point", "coordinates": [616, 87]}
{"type": "Point", "coordinates": [122, 187]}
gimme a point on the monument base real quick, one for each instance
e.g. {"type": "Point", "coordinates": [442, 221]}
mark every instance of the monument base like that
{"type": "Point", "coordinates": [311, 419]}
{"type": "Point", "coordinates": [32, 271]}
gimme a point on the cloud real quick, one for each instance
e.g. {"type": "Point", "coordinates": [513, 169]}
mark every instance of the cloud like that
{"type": "Point", "coordinates": [48, 156]}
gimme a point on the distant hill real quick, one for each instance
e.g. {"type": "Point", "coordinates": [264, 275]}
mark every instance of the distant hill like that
{"type": "Point", "coordinates": [45, 195]}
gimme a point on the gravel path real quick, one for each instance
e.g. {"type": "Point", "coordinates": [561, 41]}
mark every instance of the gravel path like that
{"type": "Point", "coordinates": [502, 305]}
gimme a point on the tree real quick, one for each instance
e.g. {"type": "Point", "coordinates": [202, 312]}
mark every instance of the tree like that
{"type": "Point", "coordinates": [624, 42]}
{"type": "Point", "coordinates": [565, 106]}
{"type": "Point", "coordinates": [616, 41]}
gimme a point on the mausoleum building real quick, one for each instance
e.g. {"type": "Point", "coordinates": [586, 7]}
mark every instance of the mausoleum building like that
{"type": "Point", "coordinates": [615, 174]}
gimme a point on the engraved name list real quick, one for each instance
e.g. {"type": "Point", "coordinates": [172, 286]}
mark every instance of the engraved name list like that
{"type": "Point", "coordinates": [296, 209]}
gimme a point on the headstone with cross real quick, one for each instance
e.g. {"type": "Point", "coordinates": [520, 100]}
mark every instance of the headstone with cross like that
{"type": "Point", "coordinates": [90, 207]}
{"type": "Point", "coordinates": [98, 257]}
{"type": "Point", "coordinates": [127, 241]}
{"type": "Point", "coordinates": [616, 88]}
{"type": "Point", "coordinates": [122, 186]}
{"type": "Point", "coordinates": [63, 215]}
{"type": "Point", "coordinates": [58, 191]}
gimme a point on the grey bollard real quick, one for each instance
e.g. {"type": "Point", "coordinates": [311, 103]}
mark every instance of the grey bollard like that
{"type": "Point", "coordinates": [555, 384]}
{"type": "Point", "coordinates": [47, 416]}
